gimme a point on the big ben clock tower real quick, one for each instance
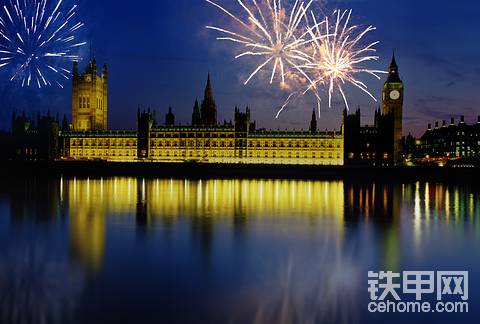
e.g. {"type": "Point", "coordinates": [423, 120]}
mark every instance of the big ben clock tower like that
{"type": "Point", "coordinates": [392, 103]}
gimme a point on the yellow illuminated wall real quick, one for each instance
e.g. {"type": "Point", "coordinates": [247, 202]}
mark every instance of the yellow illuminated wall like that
{"type": "Point", "coordinates": [90, 100]}
{"type": "Point", "coordinates": [211, 146]}
{"type": "Point", "coordinates": [111, 146]}
{"type": "Point", "coordinates": [301, 149]}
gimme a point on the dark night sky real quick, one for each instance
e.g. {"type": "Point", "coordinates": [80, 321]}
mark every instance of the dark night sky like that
{"type": "Point", "coordinates": [158, 53]}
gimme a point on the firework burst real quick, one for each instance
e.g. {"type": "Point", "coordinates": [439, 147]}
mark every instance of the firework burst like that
{"type": "Point", "coordinates": [37, 39]}
{"type": "Point", "coordinates": [270, 32]}
{"type": "Point", "coordinates": [302, 46]}
{"type": "Point", "coordinates": [338, 58]}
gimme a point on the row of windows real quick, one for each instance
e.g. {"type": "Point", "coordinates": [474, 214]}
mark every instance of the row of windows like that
{"type": "Point", "coordinates": [156, 153]}
{"type": "Point", "coordinates": [112, 143]}
{"type": "Point", "coordinates": [194, 144]}
{"type": "Point", "coordinates": [213, 134]}
{"type": "Point", "coordinates": [84, 102]}
{"type": "Point", "coordinates": [132, 142]}
{"type": "Point", "coordinates": [193, 135]}
{"type": "Point", "coordinates": [191, 154]}
{"type": "Point", "coordinates": [102, 153]}
{"type": "Point", "coordinates": [294, 144]}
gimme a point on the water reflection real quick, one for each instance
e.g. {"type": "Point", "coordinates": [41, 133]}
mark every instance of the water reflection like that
{"type": "Point", "coordinates": [293, 251]}
{"type": "Point", "coordinates": [37, 287]}
{"type": "Point", "coordinates": [204, 203]}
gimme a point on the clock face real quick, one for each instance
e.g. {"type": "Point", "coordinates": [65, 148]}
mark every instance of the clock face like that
{"type": "Point", "coordinates": [395, 95]}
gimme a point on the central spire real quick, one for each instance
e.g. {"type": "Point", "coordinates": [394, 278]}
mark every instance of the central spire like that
{"type": "Point", "coordinates": [209, 107]}
{"type": "Point", "coordinates": [208, 88]}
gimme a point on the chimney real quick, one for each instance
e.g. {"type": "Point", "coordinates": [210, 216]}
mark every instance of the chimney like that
{"type": "Point", "coordinates": [478, 120]}
{"type": "Point", "coordinates": [462, 120]}
{"type": "Point", "coordinates": [452, 122]}
{"type": "Point", "coordinates": [429, 126]}
{"type": "Point", "coordinates": [436, 125]}
{"type": "Point", "coordinates": [444, 123]}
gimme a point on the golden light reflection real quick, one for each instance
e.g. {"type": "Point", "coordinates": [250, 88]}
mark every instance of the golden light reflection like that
{"type": "Point", "coordinates": [417, 215]}
{"type": "Point", "coordinates": [92, 202]}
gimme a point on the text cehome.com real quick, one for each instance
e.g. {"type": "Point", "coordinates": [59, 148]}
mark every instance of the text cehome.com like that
{"type": "Point", "coordinates": [417, 307]}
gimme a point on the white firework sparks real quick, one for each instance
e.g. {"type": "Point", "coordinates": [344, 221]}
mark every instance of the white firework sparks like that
{"type": "Point", "coordinates": [304, 46]}
{"type": "Point", "coordinates": [37, 37]}
{"type": "Point", "coordinates": [271, 33]}
{"type": "Point", "coordinates": [338, 59]}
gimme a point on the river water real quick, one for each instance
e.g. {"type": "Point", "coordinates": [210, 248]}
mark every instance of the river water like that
{"type": "Point", "coordinates": [133, 250]}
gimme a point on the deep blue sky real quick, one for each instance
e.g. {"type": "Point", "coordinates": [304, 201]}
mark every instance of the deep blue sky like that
{"type": "Point", "coordinates": [159, 53]}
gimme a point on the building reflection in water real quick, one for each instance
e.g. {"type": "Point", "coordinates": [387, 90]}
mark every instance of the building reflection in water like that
{"type": "Point", "coordinates": [335, 217]}
{"type": "Point", "coordinates": [381, 206]}
{"type": "Point", "coordinates": [204, 203]}
{"type": "Point", "coordinates": [238, 202]}
{"type": "Point", "coordinates": [434, 204]}
{"type": "Point", "coordinates": [37, 283]}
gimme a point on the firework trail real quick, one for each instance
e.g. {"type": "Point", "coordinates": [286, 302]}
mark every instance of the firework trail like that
{"type": "Point", "coordinates": [37, 39]}
{"type": "Point", "coordinates": [304, 46]}
{"type": "Point", "coordinates": [271, 32]}
{"type": "Point", "coordinates": [338, 59]}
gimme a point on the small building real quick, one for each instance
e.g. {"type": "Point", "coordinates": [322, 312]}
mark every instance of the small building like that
{"type": "Point", "coordinates": [449, 142]}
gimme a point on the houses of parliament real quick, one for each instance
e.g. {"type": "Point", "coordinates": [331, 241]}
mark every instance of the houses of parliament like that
{"type": "Point", "coordinates": [239, 141]}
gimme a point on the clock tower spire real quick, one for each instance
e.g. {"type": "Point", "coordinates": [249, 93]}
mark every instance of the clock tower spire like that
{"type": "Point", "coordinates": [392, 106]}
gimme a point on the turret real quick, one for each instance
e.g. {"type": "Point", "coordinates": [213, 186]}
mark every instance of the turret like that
{"type": "Point", "coordinates": [170, 118]}
{"type": "Point", "coordinates": [104, 73]}
{"type": "Point", "coordinates": [145, 123]}
{"type": "Point", "coordinates": [313, 122]}
{"type": "Point", "coordinates": [196, 116]}
{"type": "Point", "coordinates": [94, 67]}
{"type": "Point", "coordinates": [75, 69]}
{"type": "Point", "coordinates": [242, 120]}
{"type": "Point", "coordinates": [209, 107]}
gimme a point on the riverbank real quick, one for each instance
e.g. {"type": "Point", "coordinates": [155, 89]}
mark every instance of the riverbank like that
{"type": "Point", "coordinates": [198, 170]}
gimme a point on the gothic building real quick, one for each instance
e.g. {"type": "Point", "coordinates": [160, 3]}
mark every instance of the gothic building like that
{"type": "Point", "coordinates": [34, 138]}
{"type": "Point", "coordinates": [380, 144]}
{"type": "Point", "coordinates": [89, 98]}
{"type": "Point", "coordinates": [237, 142]}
